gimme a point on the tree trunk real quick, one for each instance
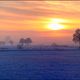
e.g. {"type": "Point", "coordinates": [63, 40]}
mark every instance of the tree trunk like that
{"type": "Point", "coordinates": [79, 45]}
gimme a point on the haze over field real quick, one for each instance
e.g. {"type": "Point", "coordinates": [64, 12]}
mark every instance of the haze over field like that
{"type": "Point", "coordinates": [43, 21]}
{"type": "Point", "coordinates": [40, 37]}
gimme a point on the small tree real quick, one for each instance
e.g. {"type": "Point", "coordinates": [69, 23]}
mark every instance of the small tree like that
{"type": "Point", "coordinates": [54, 44]}
{"type": "Point", "coordinates": [28, 41]}
{"type": "Point", "coordinates": [21, 42]}
{"type": "Point", "coordinates": [76, 37]}
{"type": "Point", "coordinates": [11, 42]}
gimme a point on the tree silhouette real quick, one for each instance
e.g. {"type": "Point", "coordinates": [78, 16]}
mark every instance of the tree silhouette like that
{"type": "Point", "coordinates": [9, 41]}
{"type": "Point", "coordinates": [28, 41]}
{"type": "Point", "coordinates": [76, 37]}
{"type": "Point", "coordinates": [21, 42]}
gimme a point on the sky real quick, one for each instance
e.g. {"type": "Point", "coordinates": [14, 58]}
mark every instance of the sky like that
{"type": "Point", "coordinates": [34, 19]}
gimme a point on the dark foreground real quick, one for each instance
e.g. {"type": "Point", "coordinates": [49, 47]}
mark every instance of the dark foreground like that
{"type": "Point", "coordinates": [40, 65]}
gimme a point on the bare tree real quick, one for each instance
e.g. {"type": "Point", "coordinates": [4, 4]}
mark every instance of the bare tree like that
{"type": "Point", "coordinates": [54, 44]}
{"type": "Point", "coordinates": [9, 41]}
{"type": "Point", "coordinates": [28, 41]}
{"type": "Point", "coordinates": [21, 42]}
{"type": "Point", "coordinates": [76, 37]}
{"type": "Point", "coordinates": [24, 42]}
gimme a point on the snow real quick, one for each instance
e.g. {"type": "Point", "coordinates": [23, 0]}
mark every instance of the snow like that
{"type": "Point", "coordinates": [40, 65]}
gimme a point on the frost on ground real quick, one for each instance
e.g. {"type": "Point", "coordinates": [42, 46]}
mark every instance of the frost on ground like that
{"type": "Point", "coordinates": [40, 65]}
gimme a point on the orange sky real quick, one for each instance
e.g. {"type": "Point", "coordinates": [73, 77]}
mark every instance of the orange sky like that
{"type": "Point", "coordinates": [37, 15]}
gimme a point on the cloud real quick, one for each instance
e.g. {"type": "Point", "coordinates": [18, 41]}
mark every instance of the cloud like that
{"type": "Point", "coordinates": [35, 12]}
{"type": "Point", "coordinates": [41, 8]}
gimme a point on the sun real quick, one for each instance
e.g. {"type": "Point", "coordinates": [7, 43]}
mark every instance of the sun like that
{"type": "Point", "coordinates": [55, 26]}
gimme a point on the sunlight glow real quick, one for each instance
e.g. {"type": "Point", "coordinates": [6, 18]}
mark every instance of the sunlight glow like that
{"type": "Point", "coordinates": [56, 20]}
{"type": "Point", "coordinates": [56, 26]}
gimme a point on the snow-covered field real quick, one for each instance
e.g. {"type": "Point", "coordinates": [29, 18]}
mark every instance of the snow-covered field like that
{"type": "Point", "coordinates": [40, 65]}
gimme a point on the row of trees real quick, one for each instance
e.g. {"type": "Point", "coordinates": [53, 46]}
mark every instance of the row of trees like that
{"type": "Point", "coordinates": [25, 42]}
{"type": "Point", "coordinates": [22, 43]}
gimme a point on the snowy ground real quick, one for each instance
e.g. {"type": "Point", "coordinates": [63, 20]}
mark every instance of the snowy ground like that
{"type": "Point", "coordinates": [40, 65]}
